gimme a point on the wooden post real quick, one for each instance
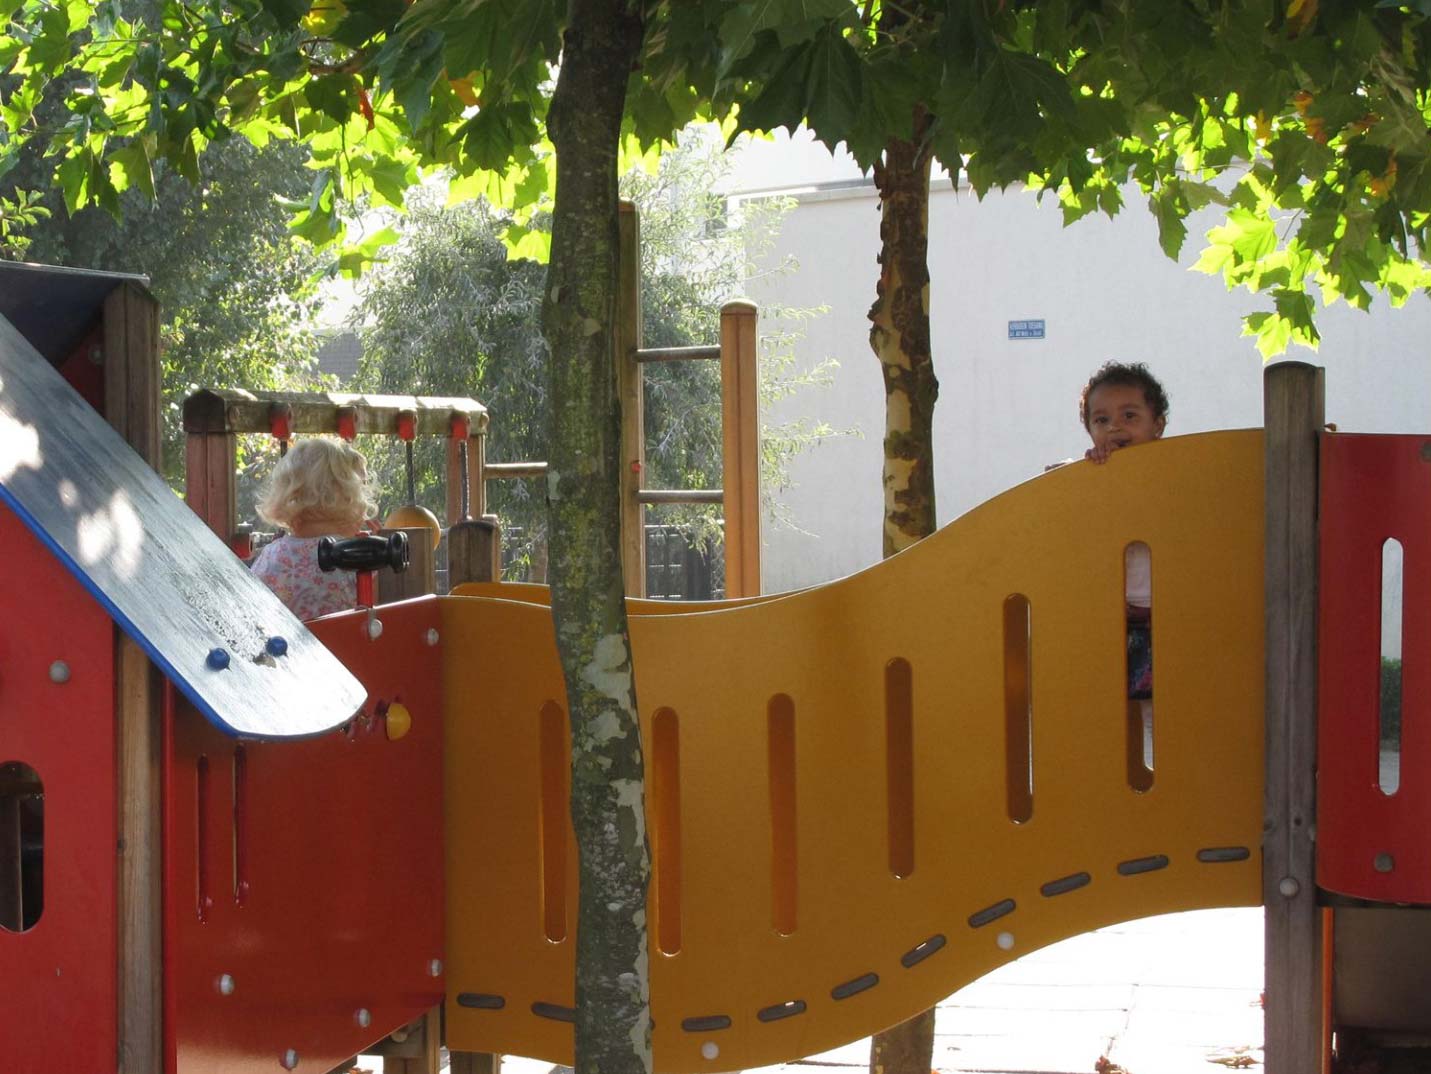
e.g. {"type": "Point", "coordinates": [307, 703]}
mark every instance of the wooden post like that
{"type": "Point", "coordinates": [629, 386]}
{"type": "Point", "coordinates": [1294, 413]}
{"type": "Point", "coordinates": [416, 1049]}
{"type": "Point", "coordinates": [131, 368]}
{"type": "Point", "coordinates": [210, 460]}
{"type": "Point", "coordinates": [740, 428]}
{"type": "Point", "coordinates": [474, 551]}
{"type": "Point", "coordinates": [419, 579]}
{"type": "Point", "coordinates": [131, 405]}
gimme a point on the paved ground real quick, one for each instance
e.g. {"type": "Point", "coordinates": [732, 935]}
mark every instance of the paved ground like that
{"type": "Point", "coordinates": [1178, 994]}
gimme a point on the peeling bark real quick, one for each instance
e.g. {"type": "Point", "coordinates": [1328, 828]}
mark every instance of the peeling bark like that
{"type": "Point", "coordinates": [613, 1011]}
{"type": "Point", "coordinates": [899, 337]}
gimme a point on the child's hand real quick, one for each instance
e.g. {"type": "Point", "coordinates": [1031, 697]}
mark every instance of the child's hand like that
{"type": "Point", "coordinates": [1099, 452]}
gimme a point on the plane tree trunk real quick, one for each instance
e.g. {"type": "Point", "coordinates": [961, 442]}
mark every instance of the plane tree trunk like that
{"type": "Point", "coordinates": [613, 1012]}
{"type": "Point", "coordinates": [899, 337]}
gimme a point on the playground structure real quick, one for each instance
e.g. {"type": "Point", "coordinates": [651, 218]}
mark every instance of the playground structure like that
{"type": "Point", "coordinates": [917, 774]}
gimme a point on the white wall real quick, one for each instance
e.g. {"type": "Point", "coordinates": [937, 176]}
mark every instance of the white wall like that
{"type": "Point", "coordinates": [1009, 407]}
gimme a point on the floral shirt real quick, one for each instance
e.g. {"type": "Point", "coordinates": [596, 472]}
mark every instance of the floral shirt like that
{"type": "Point", "coordinates": [289, 566]}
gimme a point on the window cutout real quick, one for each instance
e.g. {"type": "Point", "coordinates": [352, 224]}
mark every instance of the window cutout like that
{"type": "Point", "coordinates": [553, 817]}
{"type": "Point", "coordinates": [1390, 708]}
{"type": "Point", "coordinates": [1138, 614]}
{"type": "Point", "coordinates": [202, 899]}
{"type": "Point", "coordinates": [22, 847]}
{"type": "Point", "coordinates": [240, 825]}
{"type": "Point", "coordinates": [666, 831]}
{"type": "Point", "coordinates": [899, 764]}
{"type": "Point", "coordinates": [780, 716]}
{"type": "Point", "coordinates": [1018, 708]}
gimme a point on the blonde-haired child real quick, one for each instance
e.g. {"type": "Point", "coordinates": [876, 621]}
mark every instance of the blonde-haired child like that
{"type": "Point", "coordinates": [319, 489]}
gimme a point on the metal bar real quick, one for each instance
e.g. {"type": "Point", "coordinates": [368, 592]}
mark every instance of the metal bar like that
{"type": "Point", "coordinates": [677, 354]}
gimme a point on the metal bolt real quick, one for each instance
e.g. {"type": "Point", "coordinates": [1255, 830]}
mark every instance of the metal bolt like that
{"type": "Point", "coordinates": [277, 646]}
{"type": "Point", "coordinates": [1289, 887]}
{"type": "Point", "coordinates": [218, 659]}
{"type": "Point", "coordinates": [710, 1049]}
{"type": "Point", "coordinates": [1384, 863]}
{"type": "Point", "coordinates": [1005, 940]}
{"type": "Point", "coordinates": [225, 984]}
{"type": "Point", "coordinates": [290, 1059]}
{"type": "Point", "coordinates": [363, 1017]}
{"type": "Point", "coordinates": [59, 672]}
{"type": "Point", "coordinates": [431, 637]}
{"type": "Point", "coordinates": [434, 968]}
{"type": "Point", "coordinates": [375, 629]}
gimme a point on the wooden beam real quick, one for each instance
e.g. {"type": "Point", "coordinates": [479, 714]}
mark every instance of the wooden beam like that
{"type": "Point", "coordinates": [740, 427]}
{"type": "Point", "coordinates": [1294, 413]}
{"type": "Point", "coordinates": [239, 411]}
{"type": "Point", "coordinates": [630, 382]}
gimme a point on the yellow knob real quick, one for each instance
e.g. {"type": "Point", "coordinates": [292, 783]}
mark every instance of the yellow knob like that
{"type": "Point", "coordinates": [398, 721]}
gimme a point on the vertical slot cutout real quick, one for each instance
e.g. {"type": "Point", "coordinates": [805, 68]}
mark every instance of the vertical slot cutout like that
{"type": "Point", "coordinates": [202, 899]}
{"type": "Point", "coordinates": [240, 825]}
{"type": "Point", "coordinates": [1018, 707]}
{"type": "Point", "coordinates": [784, 893]}
{"type": "Point", "coordinates": [554, 817]}
{"type": "Point", "coordinates": [899, 764]}
{"type": "Point", "coordinates": [22, 847]}
{"type": "Point", "coordinates": [1390, 708]}
{"type": "Point", "coordinates": [666, 831]}
{"type": "Point", "coordinates": [1138, 663]}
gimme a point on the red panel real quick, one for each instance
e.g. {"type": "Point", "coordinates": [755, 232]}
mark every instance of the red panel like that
{"type": "Point", "coordinates": [1370, 844]}
{"type": "Point", "coordinates": [309, 872]}
{"type": "Point", "coordinates": [58, 1007]}
{"type": "Point", "coordinates": [85, 374]}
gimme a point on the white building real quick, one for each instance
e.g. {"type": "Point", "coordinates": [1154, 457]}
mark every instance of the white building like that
{"type": "Point", "coordinates": [1008, 406]}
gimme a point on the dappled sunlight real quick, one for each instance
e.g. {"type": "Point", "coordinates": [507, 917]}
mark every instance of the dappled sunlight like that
{"type": "Point", "coordinates": [113, 534]}
{"type": "Point", "coordinates": [19, 447]}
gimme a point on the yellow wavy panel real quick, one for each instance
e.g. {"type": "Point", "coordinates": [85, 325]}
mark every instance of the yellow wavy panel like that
{"type": "Point", "coordinates": [790, 931]}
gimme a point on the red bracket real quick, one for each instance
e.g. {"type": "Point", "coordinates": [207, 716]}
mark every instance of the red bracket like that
{"type": "Point", "coordinates": [280, 421]}
{"type": "Point", "coordinates": [406, 425]}
{"type": "Point", "coordinates": [347, 422]}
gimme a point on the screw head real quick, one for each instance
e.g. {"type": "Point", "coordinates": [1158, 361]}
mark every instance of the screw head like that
{"type": "Point", "coordinates": [1384, 863]}
{"type": "Point", "coordinates": [431, 636]}
{"type": "Point", "coordinates": [290, 1059]}
{"type": "Point", "coordinates": [218, 659]}
{"type": "Point", "coordinates": [1005, 940]}
{"type": "Point", "coordinates": [375, 629]}
{"type": "Point", "coordinates": [225, 984]}
{"type": "Point", "coordinates": [1288, 887]}
{"type": "Point", "coordinates": [710, 1049]}
{"type": "Point", "coordinates": [277, 646]}
{"type": "Point", "coordinates": [363, 1017]}
{"type": "Point", "coordinates": [59, 673]}
{"type": "Point", "coordinates": [434, 968]}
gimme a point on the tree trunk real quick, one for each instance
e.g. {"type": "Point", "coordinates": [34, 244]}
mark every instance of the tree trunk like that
{"type": "Point", "coordinates": [613, 1010]}
{"type": "Point", "coordinates": [899, 337]}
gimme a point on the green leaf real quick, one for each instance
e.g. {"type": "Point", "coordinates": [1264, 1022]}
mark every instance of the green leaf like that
{"type": "Point", "coordinates": [131, 167]}
{"type": "Point", "coordinates": [73, 176]}
{"type": "Point", "coordinates": [835, 81]}
{"type": "Point", "coordinates": [335, 96]}
{"type": "Point", "coordinates": [1170, 210]}
{"type": "Point", "coordinates": [287, 13]}
{"type": "Point", "coordinates": [365, 19]}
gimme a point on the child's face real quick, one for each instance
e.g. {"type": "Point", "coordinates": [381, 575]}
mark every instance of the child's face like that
{"type": "Point", "coordinates": [1119, 416]}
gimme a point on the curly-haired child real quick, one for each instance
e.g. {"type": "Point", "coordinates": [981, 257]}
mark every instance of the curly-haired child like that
{"type": "Point", "coordinates": [319, 489]}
